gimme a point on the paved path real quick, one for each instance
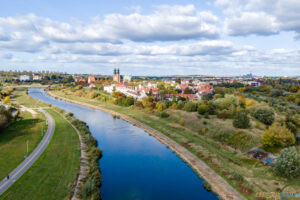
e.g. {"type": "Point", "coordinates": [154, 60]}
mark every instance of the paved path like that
{"type": "Point", "coordinates": [28, 162]}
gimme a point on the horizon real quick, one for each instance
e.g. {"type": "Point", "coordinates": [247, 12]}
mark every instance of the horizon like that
{"type": "Point", "coordinates": [152, 38]}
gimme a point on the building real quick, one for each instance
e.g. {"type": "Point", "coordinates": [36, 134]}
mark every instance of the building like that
{"type": "Point", "coordinates": [81, 81]}
{"type": "Point", "coordinates": [91, 79]}
{"type": "Point", "coordinates": [116, 75]}
{"type": "Point", "coordinates": [127, 79]}
{"type": "Point", "coordinates": [36, 77]}
{"type": "Point", "coordinates": [24, 78]}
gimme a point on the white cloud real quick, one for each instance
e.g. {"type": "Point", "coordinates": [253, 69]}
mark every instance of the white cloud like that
{"type": "Point", "coordinates": [166, 23]}
{"type": "Point", "coordinates": [251, 23]}
{"type": "Point", "coordinates": [270, 16]}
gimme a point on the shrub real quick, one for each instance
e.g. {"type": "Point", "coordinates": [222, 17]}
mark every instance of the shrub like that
{"type": "Point", "coordinates": [160, 106]}
{"type": "Point", "coordinates": [3, 121]}
{"type": "Point", "coordinates": [264, 114]}
{"type": "Point", "coordinates": [164, 115]}
{"type": "Point", "coordinates": [190, 107]}
{"type": "Point", "coordinates": [288, 163]}
{"type": "Point", "coordinates": [224, 114]}
{"type": "Point", "coordinates": [236, 176]}
{"type": "Point", "coordinates": [180, 122]}
{"type": "Point", "coordinates": [277, 136]}
{"type": "Point", "coordinates": [237, 140]}
{"type": "Point", "coordinates": [202, 109]}
{"type": "Point", "coordinates": [206, 185]}
{"type": "Point", "coordinates": [180, 104]}
{"type": "Point", "coordinates": [241, 119]}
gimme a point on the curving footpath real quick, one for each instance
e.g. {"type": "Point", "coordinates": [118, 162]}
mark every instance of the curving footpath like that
{"type": "Point", "coordinates": [28, 162]}
{"type": "Point", "coordinates": [218, 184]}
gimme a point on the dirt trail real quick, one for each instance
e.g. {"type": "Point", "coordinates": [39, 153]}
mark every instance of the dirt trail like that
{"type": "Point", "coordinates": [218, 184]}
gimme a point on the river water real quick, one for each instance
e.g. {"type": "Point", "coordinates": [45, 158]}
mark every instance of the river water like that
{"type": "Point", "coordinates": [134, 166]}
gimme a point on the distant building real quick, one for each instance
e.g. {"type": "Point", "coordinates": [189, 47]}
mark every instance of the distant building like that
{"type": "Point", "coordinates": [116, 75]}
{"type": "Point", "coordinates": [36, 77]}
{"type": "Point", "coordinates": [127, 79]}
{"type": "Point", "coordinates": [81, 81]}
{"type": "Point", "coordinates": [91, 79]}
{"type": "Point", "coordinates": [24, 78]}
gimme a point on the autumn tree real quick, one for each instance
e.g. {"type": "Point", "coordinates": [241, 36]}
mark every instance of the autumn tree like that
{"type": "Point", "coordinates": [277, 136]}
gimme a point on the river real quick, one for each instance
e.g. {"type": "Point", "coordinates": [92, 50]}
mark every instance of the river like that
{"type": "Point", "coordinates": [134, 166]}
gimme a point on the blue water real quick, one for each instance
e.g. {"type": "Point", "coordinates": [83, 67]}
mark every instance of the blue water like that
{"type": "Point", "coordinates": [134, 166]}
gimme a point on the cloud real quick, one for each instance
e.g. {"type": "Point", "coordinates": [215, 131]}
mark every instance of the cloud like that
{"type": "Point", "coordinates": [252, 23]}
{"type": "Point", "coordinates": [258, 17]}
{"type": "Point", "coordinates": [165, 23]}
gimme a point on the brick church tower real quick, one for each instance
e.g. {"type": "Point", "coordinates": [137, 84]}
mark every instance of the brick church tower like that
{"type": "Point", "coordinates": [116, 75]}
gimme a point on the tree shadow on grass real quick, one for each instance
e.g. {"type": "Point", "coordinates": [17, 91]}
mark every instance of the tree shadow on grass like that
{"type": "Point", "coordinates": [17, 129]}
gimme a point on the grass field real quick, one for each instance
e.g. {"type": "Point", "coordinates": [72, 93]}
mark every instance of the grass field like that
{"type": "Point", "coordinates": [20, 97]}
{"type": "Point", "coordinates": [51, 174]}
{"type": "Point", "coordinates": [13, 139]}
{"type": "Point", "coordinates": [224, 159]}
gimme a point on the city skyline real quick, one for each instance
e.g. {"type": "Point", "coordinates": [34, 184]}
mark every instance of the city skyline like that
{"type": "Point", "coordinates": [152, 38]}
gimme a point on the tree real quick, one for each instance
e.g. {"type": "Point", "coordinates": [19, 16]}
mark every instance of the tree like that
{"type": "Point", "coordinates": [277, 136]}
{"type": "Point", "coordinates": [241, 119]}
{"type": "Point", "coordinates": [190, 107]}
{"type": "Point", "coordinates": [288, 163]}
{"type": "Point", "coordinates": [187, 90]}
{"type": "Point", "coordinates": [293, 88]}
{"type": "Point", "coordinates": [264, 114]}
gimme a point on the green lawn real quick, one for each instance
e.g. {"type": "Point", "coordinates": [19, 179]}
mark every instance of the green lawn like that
{"type": "Point", "coordinates": [20, 96]}
{"type": "Point", "coordinates": [13, 141]}
{"type": "Point", "coordinates": [51, 174]}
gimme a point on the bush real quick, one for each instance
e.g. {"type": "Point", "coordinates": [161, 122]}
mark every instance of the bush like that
{"type": "Point", "coordinates": [277, 136]}
{"type": "Point", "coordinates": [237, 140]}
{"type": "Point", "coordinates": [224, 114]}
{"type": "Point", "coordinates": [164, 115]}
{"type": "Point", "coordinates": [236, 176]}
{"type": "Point", "coordinates": [288, 163]}
{"type": "Point", "coordinates": [160, 106]}
{"type": "Point", "coordinates": [190, 107]}
{"type": "Point", "coordinates": [241, 119]}
{"type": "Point", "coordinates": [180, 105]}
{"type": "Point", "coordinates": [180, 122]}
{"type": "Point", "coordinates": [202, 109]}
{"type": "Point", "coordinates": [264, 114]}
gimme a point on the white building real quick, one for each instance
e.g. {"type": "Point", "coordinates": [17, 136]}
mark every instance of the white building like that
{"type": "Point", "coordinates": [24, 78]}
{"type": "Point", "coordinates": [36, 77]}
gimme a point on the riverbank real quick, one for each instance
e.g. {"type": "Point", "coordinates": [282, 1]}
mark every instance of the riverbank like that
{"type": "Point", "coordinates": [219, 185]}
{"type": "Point", "coordinates": [88, 182]}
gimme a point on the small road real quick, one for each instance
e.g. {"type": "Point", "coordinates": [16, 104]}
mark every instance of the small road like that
{"type": "Point", "coordinates": [28, 162]}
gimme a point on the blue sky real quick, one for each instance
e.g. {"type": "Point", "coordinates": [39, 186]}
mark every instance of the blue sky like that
{"type": "Point", "coordinates": [220, 37]}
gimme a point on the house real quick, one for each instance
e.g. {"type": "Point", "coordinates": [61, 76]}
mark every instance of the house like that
{"type": "Point", "coordinates": [91, 79]}
{"type": "Point", "coordinates": [36, 77]}
{"type": "Point", "coordinates": [24, 78]}
{"type": "Point", "coordinates": [81, 81]}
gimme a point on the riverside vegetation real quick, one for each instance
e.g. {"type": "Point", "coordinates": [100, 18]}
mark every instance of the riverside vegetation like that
{"type": "Point", "coordinates": [219, 129]}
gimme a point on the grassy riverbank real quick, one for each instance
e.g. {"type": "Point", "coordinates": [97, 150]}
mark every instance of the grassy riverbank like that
{"type": "Point", "coordinates": [245, 175]}
{"type": "Point", "coordinates": [20, 97]}
{"type": "Point", "coordinates": [13, 140]}
{"type": "Point", "coordinates": [57, 167]}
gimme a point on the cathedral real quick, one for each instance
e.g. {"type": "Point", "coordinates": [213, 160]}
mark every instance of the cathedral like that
{"type": "Point", "coordinates": [116, 75]}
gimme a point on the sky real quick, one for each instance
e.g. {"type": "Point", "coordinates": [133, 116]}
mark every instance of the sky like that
{"type": "Point", "coordinates": [212, 37]}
